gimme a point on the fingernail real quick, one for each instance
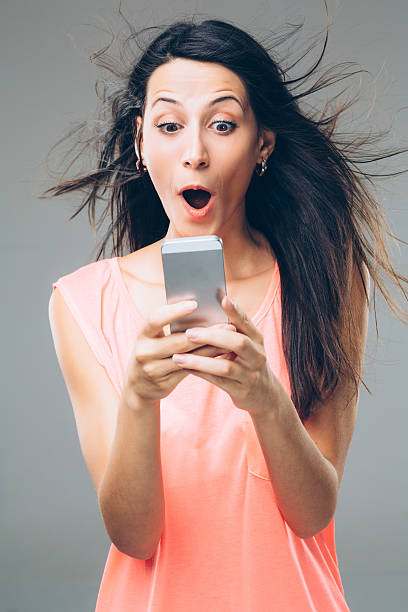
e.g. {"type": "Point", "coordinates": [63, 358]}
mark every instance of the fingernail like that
{"type": "Point", "coordinates": [190, 304]}
{"type": "Point", "coordinates": [191, 333]}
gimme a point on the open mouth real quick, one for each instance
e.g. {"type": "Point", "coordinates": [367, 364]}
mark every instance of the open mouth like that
{"type": "Point", "coordinates": [196, 198]}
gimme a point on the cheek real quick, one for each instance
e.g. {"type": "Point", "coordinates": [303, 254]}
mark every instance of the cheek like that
{"type": "Point", "coordinates": [240, 173]}
{"type": "Point", "coordinates": [161, 180]}
{"type": "Point", "coordinates": [241, 159]}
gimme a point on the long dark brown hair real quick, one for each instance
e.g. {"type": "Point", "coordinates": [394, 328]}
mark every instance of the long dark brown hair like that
{"type": "Point", "coordinates": [314, 204]}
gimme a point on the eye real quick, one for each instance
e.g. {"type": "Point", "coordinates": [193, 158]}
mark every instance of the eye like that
{"type": "Point", "coordinates": [163, 125]}
{"type": "Point", "coordinates": [231, 124]}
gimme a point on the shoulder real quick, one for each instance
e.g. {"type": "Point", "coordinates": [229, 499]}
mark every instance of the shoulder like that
{"type": "Point", "coordinates": [80, 304]}
{"type": "Point", "coordinates": [83, 288]}
{"type": "Point", "coordinates": [86, 282]}
{"type": "Point", "coordinates": [89, 273]}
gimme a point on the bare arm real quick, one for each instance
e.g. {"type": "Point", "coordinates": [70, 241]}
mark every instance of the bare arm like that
{"type": "Point", "coordinates": [305, 482]}
{"type": "Point", "coordinates": [131, 496]}
{"type": "Point", "coordinates": [120, 436]}
{"type": "Point", "coordinates": [119, 439]}
{"type": "Point", "coordinates": [306, 463]}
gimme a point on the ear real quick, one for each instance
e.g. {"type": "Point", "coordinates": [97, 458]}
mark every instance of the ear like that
{"type": "Point", "coordinates": [138, 129]}
{"type": "Point", "coordinates": [266, 144]}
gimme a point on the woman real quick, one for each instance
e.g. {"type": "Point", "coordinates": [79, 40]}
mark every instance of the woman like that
{"type": "Point", "coordinates": [217, 458]}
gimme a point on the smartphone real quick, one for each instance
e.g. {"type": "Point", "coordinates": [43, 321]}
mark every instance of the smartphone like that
{"type": "Point", "coordinates": [194, 269]}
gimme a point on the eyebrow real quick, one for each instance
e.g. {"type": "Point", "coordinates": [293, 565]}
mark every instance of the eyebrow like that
{"type": "Point", "coordinates": [212, 103]}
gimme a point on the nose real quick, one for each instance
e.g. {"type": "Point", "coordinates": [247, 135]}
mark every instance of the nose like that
{"type": "Point", "coordinates": [196, 155]}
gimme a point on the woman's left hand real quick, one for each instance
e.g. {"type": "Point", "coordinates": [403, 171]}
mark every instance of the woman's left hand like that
{"type": "Point", "coordinates": [246, 375]}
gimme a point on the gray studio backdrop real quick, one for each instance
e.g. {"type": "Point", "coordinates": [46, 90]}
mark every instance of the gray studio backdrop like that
{"type": "Point", "coordinates": [54, 544]}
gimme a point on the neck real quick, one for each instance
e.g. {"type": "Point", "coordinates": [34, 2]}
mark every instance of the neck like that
{"type": "Point", "coordinates": [243, 258]}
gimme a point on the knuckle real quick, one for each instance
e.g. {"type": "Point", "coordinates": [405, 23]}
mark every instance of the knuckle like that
{"type": "Point", "coordinates": [183, 344]}
{"type": "Point", "coordinates": [226, 368]}
{"type": "Point", "coordinates": [148, 369]}
{"type": "Point", "coordinates": [241, 393]}
{"type": "Point", "coordinates": [139, 357]}
{"type": "Point", "coordinates": [141, 354]}
{"type": "Point", "coordinates": [154, 319]}
{"type": "Point", "coordinates": [242, 342]}
{"type": "Point", "coordinates": [262, 360]}
{"type": "Point", "coordinates": [260, 339]}
{"type": "Point", "coordinates": [256, 376]}
{"type": "Point", "coordinates": [148, 327]}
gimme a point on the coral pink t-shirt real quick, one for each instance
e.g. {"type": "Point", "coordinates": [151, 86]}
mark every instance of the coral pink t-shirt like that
{"type": "Point", "coordinates": [225, 545]}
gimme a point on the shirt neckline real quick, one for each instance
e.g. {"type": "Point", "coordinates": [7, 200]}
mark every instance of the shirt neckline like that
{"type": "Point", "coordinates": [266, 303]}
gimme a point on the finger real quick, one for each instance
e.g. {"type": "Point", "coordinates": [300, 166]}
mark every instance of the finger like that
{"type": "Point", "coordinates": [167, 314]}
{"type": "Point", "coordinates": [159, 369]}
{"type": "Point", "coordinates": [228, 340]}
{"type": "Point", "coordinates": [212, 351]}
{"type": "Point", "coordinates": [226, 384]}
{"type": "Point", "coordinates": [208, 351]}
{"type": "Point", "coordinates": [165, 346]}
{"type": "Point", "coordinates": [225, 326]}
{"type": "Point", "coordinates": [219, 367]}
{"type": "Point", "coordinates": [240, 319]}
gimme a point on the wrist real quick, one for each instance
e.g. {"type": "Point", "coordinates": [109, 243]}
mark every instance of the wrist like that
{"type": "Point", "coordinates": [136, 403]}
{"type": "Point", "coordinates": [266, 414]}
{"type": "Point", "coordinates": [272, 408]}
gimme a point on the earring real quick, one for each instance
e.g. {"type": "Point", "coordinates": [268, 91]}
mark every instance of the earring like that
{"type": "Point", "coordinates": [263, 168]}
{"type": "Point", "coordinates": [138, 167]}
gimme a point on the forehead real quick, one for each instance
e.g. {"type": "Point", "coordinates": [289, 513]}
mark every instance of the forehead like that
{"type": "Point", "coordinates": [190, 78]}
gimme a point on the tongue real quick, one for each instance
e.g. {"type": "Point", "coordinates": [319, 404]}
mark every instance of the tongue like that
{"type": "Point", "coordinates": [197, 198]}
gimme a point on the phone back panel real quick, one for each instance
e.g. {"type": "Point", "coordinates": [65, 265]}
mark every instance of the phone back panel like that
{"type": "Point", "coordinates": [195, 270]}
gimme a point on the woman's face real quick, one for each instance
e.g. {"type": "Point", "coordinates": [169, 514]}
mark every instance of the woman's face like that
{"type": "Point", "coordinates": [193, 140]}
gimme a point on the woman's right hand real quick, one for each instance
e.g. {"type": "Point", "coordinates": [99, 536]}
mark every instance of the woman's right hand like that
{"type": "Point", "coordinates": [152, 374]}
